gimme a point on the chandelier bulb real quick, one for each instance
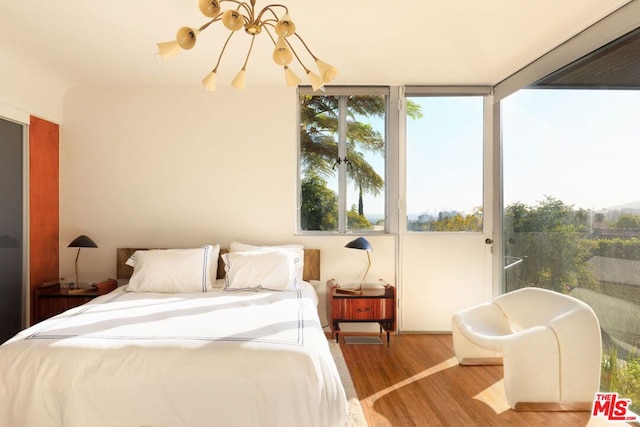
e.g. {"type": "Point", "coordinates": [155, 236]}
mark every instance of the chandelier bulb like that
{"type": "Point", "coordinates": [285, 27]}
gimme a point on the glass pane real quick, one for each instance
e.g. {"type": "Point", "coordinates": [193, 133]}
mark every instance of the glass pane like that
{"type": "Point", "coordinates": [358, 152]}
{"type": "Point", "coordinates": [318, 168]}
{"type": "Point", "coordinates": [11, 224]}
{"type": "Point", "coordinates": [572, 211]}
{"type": "Point", "coordinates": [366, 168]}
{"type": "Point", "coordinates": [444, 163]}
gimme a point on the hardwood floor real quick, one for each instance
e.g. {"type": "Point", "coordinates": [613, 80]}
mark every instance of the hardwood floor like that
{"type": "Point", "coordinates": [416, 381]}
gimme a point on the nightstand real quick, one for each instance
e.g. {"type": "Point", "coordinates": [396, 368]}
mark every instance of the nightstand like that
{"type": "Point", "coordinates": [372, 305]}
{"type": "Point", "coordinates": [52, 299]}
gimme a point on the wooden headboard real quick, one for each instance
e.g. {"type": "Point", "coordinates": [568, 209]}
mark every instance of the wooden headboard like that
{"type": "Point", "coordinates": [311, 263]}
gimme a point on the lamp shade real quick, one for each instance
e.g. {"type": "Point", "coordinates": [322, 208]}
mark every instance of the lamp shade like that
{"type": "Point", "coordinates": [186, 37]}
{"type": "Point", "coordinates": [290, 77]}
{"type": "Point", "coordinates": [285, 27]}
{"type": "Point", "coordinates": [82, 241]}
{"type": "Point", "coordinates": [282, 55]}
{"type": "Point", "coordinates": [209, 8]}
{"type": "Point", "coordinates": [240, 80]}
{"type": "Point", "coordinates": [233, 20]}
{"type": "Point", "coordinates": [327, 71]}
{"type": "Point", "coordinates": [168, 49]}
{"type": "Point", "coordinates": [210, 81]}
{"type": "Point", "coordinates": [315, 80]}
{"type": "Point", "coordinates": [359, 243]}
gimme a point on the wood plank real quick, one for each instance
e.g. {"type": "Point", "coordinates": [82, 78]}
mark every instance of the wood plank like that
{"type": "Point", "coordinates": [417, 381]}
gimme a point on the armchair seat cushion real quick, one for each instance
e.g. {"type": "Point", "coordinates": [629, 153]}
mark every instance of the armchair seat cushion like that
{"type": "Point", "coordinates": [549, 343]}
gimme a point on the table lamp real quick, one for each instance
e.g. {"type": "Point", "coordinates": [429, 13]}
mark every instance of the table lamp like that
{"type": "Point", "coordinates": [81, 242]}
{"type": "Point", "coordinates": [364, 245]}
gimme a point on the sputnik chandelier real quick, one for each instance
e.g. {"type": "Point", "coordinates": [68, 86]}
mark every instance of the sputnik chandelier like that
{"type": "Point", "coordinates": [244, 15]}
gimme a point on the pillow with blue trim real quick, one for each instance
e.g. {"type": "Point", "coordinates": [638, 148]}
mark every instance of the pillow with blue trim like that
{"type": "Point", "coordinates": [274, 270]}
{"type": "Point", "coordinates": [174, 270]}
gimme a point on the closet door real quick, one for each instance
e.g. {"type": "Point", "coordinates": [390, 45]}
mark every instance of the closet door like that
{"type": "Point", "coordinates": [11, 228]}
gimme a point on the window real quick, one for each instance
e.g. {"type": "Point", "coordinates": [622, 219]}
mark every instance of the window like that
{"type": "Point", "coordinates": [444, 163]}
{"type": "Point", "coordinates": [571, 214]}
{"type": "Point", "coordinates": [342, 152]}
{"type": "Point", "coordinates": [572, 211]}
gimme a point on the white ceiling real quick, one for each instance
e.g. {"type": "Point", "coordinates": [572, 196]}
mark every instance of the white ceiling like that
{"type": "Point", "coordinates": [444, 42]}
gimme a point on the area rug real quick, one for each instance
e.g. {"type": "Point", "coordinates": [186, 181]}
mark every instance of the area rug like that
{"type": "Point", "coordinates": [356, 416]}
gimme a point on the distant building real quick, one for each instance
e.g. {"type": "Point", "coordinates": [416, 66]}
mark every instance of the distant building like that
{"type": "Point", "coordinates": [425, 217]}
{"type": "Point", "coordinates": [447, 214]}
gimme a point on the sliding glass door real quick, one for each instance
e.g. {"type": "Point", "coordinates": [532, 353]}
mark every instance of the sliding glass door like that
{"type": "Point", "coordinates": [11, 228]}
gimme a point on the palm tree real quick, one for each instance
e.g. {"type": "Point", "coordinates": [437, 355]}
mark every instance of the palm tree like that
{"type": "Point", "coordinates": [319, 148]}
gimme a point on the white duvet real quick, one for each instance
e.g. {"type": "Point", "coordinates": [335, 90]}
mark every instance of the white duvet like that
{"type": "Point", "coordinates": [148, 359]}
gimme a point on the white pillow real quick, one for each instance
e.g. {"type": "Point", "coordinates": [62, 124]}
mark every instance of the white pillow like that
{"type": "Point", "coordinates": [273, 270]}
{"type": "Point", "coordinates": [174, 270]}
{"type": "Point", "coordinates": [298, 250]}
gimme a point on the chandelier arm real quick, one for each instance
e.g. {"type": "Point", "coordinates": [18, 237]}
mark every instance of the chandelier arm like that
{"type": "Point", "coordinates": [215, 70]}
{"type": "Point", "coordinates": [296, 55]}
{"type": "Point", "coordinates": [248, 10]}
{"type": "Point", "coordinates": [315, 58]}
{"type": "Point", "coordinates": [204, 26]}
{"type": "Point", "coordinates": [239, 3]}
{"type": "Point", "coordinates": [269, 32]}
{"type": "Point", "coordinates": [253, 39]}
{"type": "Point", "coordinates": [270, 9]}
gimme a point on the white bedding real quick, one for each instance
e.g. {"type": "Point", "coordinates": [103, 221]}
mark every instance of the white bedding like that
{"type": "Point", "coordinates": [148, 359]}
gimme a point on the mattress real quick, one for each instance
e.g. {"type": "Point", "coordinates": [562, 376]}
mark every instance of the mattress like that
{"type": "Point", "coordinates": [221, 358]}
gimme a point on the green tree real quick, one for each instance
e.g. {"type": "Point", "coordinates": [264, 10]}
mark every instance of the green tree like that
{"type": "Point", "coordinates": [550, 239]}
{"type": "Point", "coordinates": [319, 210]}
{"type": "Point", "coordinates": [627, 221]}
{"type": "Point", "coordinates": [355, 221]}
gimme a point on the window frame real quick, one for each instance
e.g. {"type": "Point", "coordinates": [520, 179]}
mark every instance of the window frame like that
{"type": "Point", "coordinates": [486, 93]}
{"type": "Point", "coordinates": [390, 172]}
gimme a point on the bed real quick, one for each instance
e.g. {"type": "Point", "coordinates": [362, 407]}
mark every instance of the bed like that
{"type": "Point", "coordinates": [235, 353]}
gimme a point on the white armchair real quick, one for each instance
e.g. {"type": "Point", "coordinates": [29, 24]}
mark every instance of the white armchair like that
{"type": "Point", "coordinates": [549, 344]}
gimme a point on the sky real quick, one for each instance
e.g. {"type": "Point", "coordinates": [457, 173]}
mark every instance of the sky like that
{"type": "Point", "coordinates": [581, 147]}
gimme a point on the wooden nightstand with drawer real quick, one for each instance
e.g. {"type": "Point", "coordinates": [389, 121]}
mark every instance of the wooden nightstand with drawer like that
{"type": "Point", "coordinates": [373, 305]}
{"type": "Point", "coordinates": [52, 299]}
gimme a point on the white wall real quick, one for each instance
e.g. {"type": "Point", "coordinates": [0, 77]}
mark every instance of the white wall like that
{"type": "Point", "coordinates": [28, 87]}
{"type": "Point", "coordinates": [178, 166]}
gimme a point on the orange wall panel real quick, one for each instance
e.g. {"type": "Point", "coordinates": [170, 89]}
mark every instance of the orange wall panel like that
{"type": "Point", "coordinates": [44, 202]}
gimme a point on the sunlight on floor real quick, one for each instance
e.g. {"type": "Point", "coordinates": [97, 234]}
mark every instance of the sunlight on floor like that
{"type": "Point", "coordinates": [433, 370]}
{"type": "Point", "coordinates": [494, 397]}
